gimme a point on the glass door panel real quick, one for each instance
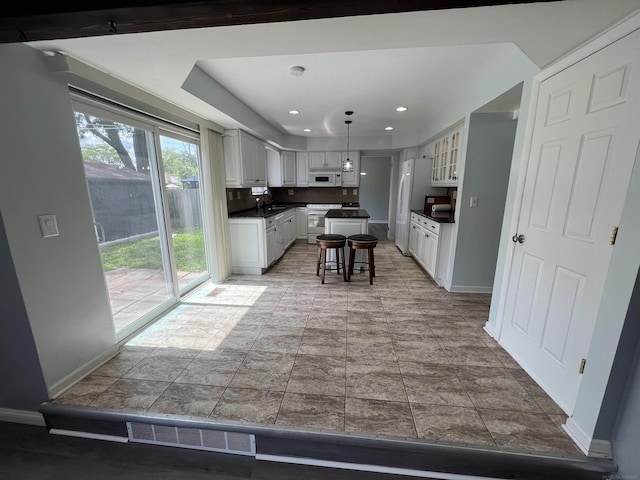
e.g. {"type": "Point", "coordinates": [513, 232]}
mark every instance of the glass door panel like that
{"type": "Point", "coordinates": [184, 201]}
{"type": "Point", "coordinates": [120, 167]}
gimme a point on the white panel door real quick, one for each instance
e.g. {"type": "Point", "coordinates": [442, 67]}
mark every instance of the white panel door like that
{"type": "Point", "coordinates": [584, 142]}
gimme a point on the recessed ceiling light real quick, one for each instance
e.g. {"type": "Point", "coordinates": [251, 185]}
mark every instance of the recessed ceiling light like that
{"type": "Point", "coordinates": [307, 129]}
{"type": "Point", "coordinates": [294, 112]}
{"type": "Point", "coordinates": [388, 128]}
{"type": "Point", "coordinates": [296, 70]}
{"type": "Point", "coordinates": [401, 109]}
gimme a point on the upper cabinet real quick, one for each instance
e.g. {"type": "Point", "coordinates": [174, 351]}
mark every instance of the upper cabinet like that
{"type": "Point", "coordinates": [281, 168]}
{"type": "Point", "coordinates": [302, 169]}
{"type": "Point", "coordinates": [245, 160]}
{"type": "Point", "coordinates": [447, 156]}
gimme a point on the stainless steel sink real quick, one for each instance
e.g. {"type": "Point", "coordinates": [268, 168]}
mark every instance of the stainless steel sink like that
{"type": "Point", "coordinates": [275, 207]}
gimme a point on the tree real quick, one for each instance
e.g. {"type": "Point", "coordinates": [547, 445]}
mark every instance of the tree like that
{"type": "Point", "coordinates": [180, 164]}
{"type": "Point", "coordinates": [112, 134]}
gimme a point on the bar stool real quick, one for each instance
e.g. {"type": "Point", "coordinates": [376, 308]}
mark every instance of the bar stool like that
{"type": "Point", "coordinates": [328, 241]}
{"type": "Point", "coordinates": [362, 241]}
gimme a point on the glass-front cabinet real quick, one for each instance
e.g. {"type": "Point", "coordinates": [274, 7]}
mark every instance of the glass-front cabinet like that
{"type": "Point", "coordinates": [446, 158]}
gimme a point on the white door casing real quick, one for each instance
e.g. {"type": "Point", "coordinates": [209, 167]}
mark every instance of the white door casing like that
{"type": "Point", "coordinates": [584, 141]}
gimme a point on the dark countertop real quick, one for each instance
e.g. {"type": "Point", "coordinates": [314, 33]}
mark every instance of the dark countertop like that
{"type": "Point", "coordinates": [265, 212]}
{"type": "Point", "coordinates": [359, 213]}
{"type": "Point", "coordinates": [442, 217]}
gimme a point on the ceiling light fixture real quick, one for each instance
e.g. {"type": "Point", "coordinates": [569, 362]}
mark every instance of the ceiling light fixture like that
{"type": "Point", "coordinates": [296, 70]}
{"type": "Point", "coordinates": [294, 112]}
{"type": "Point", "coordinates": [401, 109]}
{"type": "Point", "coordinates": [347, 164]}
{"type": "Point", "coordinates": [388, 128]}
{"type": "Point", "coordinates": [307, 129]}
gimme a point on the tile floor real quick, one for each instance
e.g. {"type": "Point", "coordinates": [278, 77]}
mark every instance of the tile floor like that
{"type": "Point", "coordinates": [402, 358]}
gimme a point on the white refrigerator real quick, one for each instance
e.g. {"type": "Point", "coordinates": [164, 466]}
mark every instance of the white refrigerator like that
{"type": "Point", "coordinates": [414, 184]}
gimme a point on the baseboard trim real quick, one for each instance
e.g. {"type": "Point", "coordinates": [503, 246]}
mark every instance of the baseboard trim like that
{"type": "Point", "coordinates": [368, 468]}
{"type": "Point", "coordinates": [89, 435]}
{"type": "Point", "coordinates": [78, 374]}
{"type": "Point", "coordinates": [22, 416]}
{"type": "Point", "coordinates": [467, 289]}
{"type": "Point", "coordinates": [594, 448]}
{"type": "Point", "coordinates": [490, 329]}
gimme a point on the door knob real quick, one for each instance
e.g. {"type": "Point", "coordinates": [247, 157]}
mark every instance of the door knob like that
{"type": "Point", "coordinates": [518, 238]}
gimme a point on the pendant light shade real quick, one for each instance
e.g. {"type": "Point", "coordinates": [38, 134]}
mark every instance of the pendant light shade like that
{"type": "Point", "coordinates": [347, 164]}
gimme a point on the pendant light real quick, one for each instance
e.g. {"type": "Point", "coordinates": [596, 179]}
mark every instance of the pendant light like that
{"type": "Point", "coordinates": [347, 164]}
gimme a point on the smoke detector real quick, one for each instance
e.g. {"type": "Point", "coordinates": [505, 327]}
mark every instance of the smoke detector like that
{"type": "Point", "coordinates": [296, 70]}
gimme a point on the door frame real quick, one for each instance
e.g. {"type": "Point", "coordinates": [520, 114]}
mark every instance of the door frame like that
{"type": "Point", "coordinates": [582, 424]}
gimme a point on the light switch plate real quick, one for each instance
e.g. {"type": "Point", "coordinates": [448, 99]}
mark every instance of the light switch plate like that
{"type": "Point", "coordinates": [290, 191]}
{"type": "Point", "coordinates": [230, 195]}
{"type": "Point", "coordinates": [473, 202]}
{"type": "Point", "coordinates": [355, 191]}
{"type": "Point", "coordinates": [48, 225]}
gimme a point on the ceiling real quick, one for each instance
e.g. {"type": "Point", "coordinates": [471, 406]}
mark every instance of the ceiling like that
{"type": "Point", "coordinates": [369, 64]}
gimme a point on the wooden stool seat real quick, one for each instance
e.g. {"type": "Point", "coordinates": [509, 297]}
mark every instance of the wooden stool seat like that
{"type": "Point", "coordinates": [362, 241]}
{"type": "Point", "coordinates": [328, 241]}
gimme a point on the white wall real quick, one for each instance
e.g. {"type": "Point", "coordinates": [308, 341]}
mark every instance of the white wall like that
{"type": "Point", "coordinates": [61, 277]}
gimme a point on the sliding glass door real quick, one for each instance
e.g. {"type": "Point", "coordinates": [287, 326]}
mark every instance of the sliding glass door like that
{"type": "Point", "coordinates": [184, 200]}
{"type": "Point", "coordinates": [144, 188]}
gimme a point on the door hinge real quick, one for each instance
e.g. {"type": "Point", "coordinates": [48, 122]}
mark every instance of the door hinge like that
{"type": "Point", "coordinates": [583, 362]}
{"type": "Point", "coordinates": [614, 234]}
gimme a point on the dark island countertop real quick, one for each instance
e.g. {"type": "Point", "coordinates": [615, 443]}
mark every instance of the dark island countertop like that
{"type": "Point", "coordinates": [440, 217]}
{"type": "Point", "coordinates": [337, 213]}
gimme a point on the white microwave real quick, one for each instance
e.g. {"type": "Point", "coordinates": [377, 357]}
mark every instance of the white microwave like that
{"type": "Point", "coordinates": [325, 179]}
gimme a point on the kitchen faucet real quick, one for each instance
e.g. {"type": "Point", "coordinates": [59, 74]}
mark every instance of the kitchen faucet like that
{"type": "Point", "coordinates": [266, 192]}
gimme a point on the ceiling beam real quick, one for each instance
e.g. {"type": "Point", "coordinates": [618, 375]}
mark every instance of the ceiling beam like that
{"type": "Point", "coordinates": [31, 21]}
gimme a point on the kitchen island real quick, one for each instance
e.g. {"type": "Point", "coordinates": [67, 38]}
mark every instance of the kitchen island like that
{"type": "Point", "coordinates": [347, 222]}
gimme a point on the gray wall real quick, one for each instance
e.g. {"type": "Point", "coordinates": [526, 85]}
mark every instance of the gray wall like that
{"type": "Point", "coordinates": [375, 186]}
{"type": "Point", "coordinates": [61, 277]}
{"type": "Point", "coordinates": [21, 378]}
{"type": "Point", "coordinates": [486, 175]}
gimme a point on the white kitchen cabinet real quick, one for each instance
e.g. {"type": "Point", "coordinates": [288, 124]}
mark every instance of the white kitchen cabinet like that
{"type": "Point", "coordinates": [270, 239]}
{"type": "Point", "coordinates": [302, 169]}
{"type": "Point", "coordinates": [281, 168]}
{"type": "Point", "coordinates": [301, 223]}
{"type": "Point", "coordinates": [429, 243]}
{"type": "Point", "coordinates": [317, 160]}
{"type": "Point", "coordinates": [256, 243]}
{"type": "Point", "coordinates": [251, 253]}
{"type": "Point", "coordinates": [352, 178]}
{"type": "Point", "coordinates": [245, 160]}
{"type": "Point", "coordinates": [279, 235]}
{"type": "Point", "coordinates": [447, 157]}
{"type": "Point", "coordinates": [333, 160]}
{"type": "Point", "coordinates": [290, 233]}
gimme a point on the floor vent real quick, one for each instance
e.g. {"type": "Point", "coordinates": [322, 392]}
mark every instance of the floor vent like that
{"type": "Point", "coordinates": [195, 438]}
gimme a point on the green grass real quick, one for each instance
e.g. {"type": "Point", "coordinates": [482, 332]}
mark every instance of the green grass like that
{"type": "Point", "coordinates": [145, 253]}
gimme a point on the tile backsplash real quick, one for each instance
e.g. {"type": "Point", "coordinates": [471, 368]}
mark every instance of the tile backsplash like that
{"type": "Point", "coordinates": [242, 198]}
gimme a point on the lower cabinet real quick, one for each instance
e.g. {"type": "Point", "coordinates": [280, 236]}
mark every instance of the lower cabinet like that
{"type": "Point", "coordinates": [280, 235]}
{"type": "Point", "coordinates": [257, 243]}
{"type": "Point", "coordinates": [429, 243]}
{"type": "Point", "coordinates": [270, 237]}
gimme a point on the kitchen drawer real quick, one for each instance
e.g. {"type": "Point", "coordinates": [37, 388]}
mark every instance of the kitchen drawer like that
{"type": "Point", "coordinates": [430, 225]}
{"type": "Point", "coordinates": [416, 217]}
